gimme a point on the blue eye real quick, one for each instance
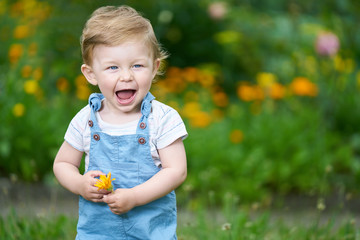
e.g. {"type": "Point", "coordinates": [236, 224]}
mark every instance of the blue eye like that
{"type": "Point", "coordinates": [113, 67]}
{"type": "Point", "coordinates": [137, 66]}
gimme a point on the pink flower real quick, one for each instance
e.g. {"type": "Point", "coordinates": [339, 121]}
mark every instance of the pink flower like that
{"type": "Point", "coordinates": [327, 44]}
{"type": "Point", "coordinates": [217, 10]}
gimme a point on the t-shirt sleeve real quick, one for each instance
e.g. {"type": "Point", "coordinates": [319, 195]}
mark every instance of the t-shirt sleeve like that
{"type": "Point", "coordinates": [171, 127]}
{"type": "Point", "coordinates": [75, 132]}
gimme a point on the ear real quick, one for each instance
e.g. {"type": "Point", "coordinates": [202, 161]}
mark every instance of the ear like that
{"type": "Point", "coordinates": [89, 74]}
{"type": "Point", "coordinates": [156, 66]}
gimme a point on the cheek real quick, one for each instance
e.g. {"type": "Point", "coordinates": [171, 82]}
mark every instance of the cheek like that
{"type": "Point", "coordinates": [105, 86]}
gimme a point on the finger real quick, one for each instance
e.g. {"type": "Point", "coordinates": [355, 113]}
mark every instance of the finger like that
{"type": "Point", "coordinates": [97, 200]}
{"type": "Point", "coordinates": [104, 191]}
{"type": "Point", "coordinates": [98, 197]}
{"type": "Point", "coordinates": [96, 173]}
{"type": "Point", "coordinates": [107, 200]}
{"type": "Point", "coordinates": [114, 211]}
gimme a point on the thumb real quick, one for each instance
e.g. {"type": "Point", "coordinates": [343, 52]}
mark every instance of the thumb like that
{"type": "Point", "coordinates": [107, 198]}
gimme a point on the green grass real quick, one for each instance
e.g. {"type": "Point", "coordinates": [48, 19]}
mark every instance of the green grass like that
{"type": "Point", "coordinates": [203, 224]}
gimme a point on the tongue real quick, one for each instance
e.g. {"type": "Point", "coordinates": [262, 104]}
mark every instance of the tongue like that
{"type": "Point", "coordinates": [125, 94]}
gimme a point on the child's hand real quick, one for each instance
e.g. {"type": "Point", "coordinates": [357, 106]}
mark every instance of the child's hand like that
{"type": "Point", "coordinates": [121, 201]}
{"type": "Point", "coordinates": [88, 190]}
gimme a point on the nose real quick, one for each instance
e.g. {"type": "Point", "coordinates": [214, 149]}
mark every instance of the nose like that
{"type": "Point", "coordinates": [125, 75]}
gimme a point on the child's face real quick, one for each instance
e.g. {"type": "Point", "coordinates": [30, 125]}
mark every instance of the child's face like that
{"type": "Point", "coordinates": [124, 74]}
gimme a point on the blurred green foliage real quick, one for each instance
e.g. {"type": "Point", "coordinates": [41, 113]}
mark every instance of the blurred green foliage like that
{"type": "Point", "coordinates": [268, 89]}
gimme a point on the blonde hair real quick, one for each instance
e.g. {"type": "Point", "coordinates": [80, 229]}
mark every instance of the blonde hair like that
{"type": "Point", "coordinates": [112, 26]}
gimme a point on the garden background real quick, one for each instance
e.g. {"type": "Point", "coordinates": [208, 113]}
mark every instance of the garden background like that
{"type": "Point", "coordinates": [269, 91]}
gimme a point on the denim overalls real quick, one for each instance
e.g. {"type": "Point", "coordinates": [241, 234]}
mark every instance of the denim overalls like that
{"type": "Point", "coordinates": [129, 160]}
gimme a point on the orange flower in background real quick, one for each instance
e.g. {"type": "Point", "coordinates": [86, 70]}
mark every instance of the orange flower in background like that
{"type": "Point", "coordinates": [105, 182]}
{"type": "Point", "coordinates": [236, 136]}
{"type": "Point", "coordinates": [250, 93]}
{"type": "Point", "coordinates": [38, 74]}
{"type": "Point", "coordinates": [26, 71]}
{"type": "Point", "coordinates": [206, 79]}
{"type": "Point", "coordinates": [197, 117]}
{"type": "Point", "coordinates": [302, 86]}
{"type": "Point", "coordinates": [191, 74]}
{"type": "Point", "coordinates": [173, 71]}
{"type": "Point", "coordinates": [62, 84]}
{"type": "Point", "coordinates": [175, 84]}
{"type": "Point", "coordinates": [15, 52]}
{"type": "Point", "coordinates": [277, 91]}
{"type": "Point", "coordinates": [220, 99]}
{"type": "Point", "coordinates": [200, 119]}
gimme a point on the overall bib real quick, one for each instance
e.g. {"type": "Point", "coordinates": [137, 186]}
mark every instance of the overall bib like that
{"type": "Point", "coordinates": [129, 160]}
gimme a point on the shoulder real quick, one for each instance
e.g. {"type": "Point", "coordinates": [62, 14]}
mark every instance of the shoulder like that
{"type": "Point", "coordinates": [81, 119]}
{"type": "Point", "coordinates": [161, 110]}
{"type": "Point", "coordinates": [78, 129]}
{"type": "Point", "coordinates": [84, 113]}
{"type": "Point", "coordinates": [168, 125]}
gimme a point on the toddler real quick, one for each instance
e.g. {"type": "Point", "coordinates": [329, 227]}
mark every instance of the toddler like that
{"type": "Point", "coordinates": [123, 130]}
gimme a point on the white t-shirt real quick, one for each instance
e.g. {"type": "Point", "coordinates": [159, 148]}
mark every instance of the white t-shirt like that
{"type": "Point", "coordinates": [165, 126]}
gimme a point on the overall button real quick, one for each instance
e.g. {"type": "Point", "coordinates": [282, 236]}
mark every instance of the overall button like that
{"type": "Point", "coordinates": [96, 137]}
{"type": "Point", "coordinates": [90, 123]}
{"type": "Point", "coordinates": [142, 125]}
{"type": "Point", "coordinates": [142, 140]}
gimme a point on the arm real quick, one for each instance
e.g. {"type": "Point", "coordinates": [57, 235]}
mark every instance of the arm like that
{"type": "Point", "coordinates": [66, 170]}
{"type": "Point", "coordinates": [172, 174]}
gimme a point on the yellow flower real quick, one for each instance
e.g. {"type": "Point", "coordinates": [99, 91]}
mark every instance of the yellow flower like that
{"type": "Point", "coordinates": [80, 80]}
{"type": "Point", "coordinates": [190, 109]}
{"type": "Point", "coordinates": [83, 92]}
{"type": "Point", "coordinates": [200, 119]}
{"type": "Point", "coordinates": [302, 86]}
{"type": "Point", "coordinates": [31, 86]}
{"type": "Point", "coordinates": [105, 182]}
{"type": "Point", "coordinates": [82, 89]}
{"type": "Point", "coordinates": [18, 110]}
{"type": "Point", "coordinates": [265, 80]}
{"type": "Point", "coordinates": [21, 31]}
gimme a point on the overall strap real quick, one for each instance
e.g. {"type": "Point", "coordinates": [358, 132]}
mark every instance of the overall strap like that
{"type": "Point", "coordinates": [95, 105]}
{"type": "Point", "coordinates": [145, 111]}
{"type": "Point", "coordinates": [146, 104]}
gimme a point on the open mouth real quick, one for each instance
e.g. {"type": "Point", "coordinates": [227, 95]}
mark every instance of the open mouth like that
{"type": "Point", "coordinates": [125, 96]}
